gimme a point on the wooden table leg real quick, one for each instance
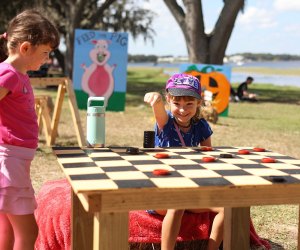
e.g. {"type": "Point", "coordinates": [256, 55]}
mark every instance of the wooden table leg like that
{"type": "Point", "coordinates": [81, 226]}
{"type": "Point", "coordinates": [236, 228]}
{"type": "Point", "coordinates": [298, 228]}
{"type": "Point", "coordinates": [111, 231]}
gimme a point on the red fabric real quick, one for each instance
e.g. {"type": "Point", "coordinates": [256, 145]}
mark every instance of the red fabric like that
{"type": "Point", "coordinates": [53, 218]}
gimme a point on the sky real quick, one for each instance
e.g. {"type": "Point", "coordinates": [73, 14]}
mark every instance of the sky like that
{"type": "Point", "coordinates": [266, 26]}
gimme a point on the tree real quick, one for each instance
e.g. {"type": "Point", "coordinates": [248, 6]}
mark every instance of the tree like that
{"type": "Point", "coordinates": [108, 15]}
{"type": "Point", "coordinates": [205, 48]}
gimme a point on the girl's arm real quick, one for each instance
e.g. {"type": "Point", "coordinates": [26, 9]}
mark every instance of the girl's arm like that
{"type": "Point", "coordinates": [3, 92]}
{"type": "Point", "coordinates": [206, 142]}
{"type": "Point", "coordinates": [158, 107]}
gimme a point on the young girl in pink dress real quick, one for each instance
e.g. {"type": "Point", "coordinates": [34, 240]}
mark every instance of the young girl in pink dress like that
{"type": "Point", "coordinates": [25, 46]}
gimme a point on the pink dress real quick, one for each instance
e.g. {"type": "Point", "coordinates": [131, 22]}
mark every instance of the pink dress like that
{"type": "Point", "coordinates": [18, 142]}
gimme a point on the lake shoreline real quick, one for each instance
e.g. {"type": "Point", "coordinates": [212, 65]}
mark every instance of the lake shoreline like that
{"type": "Point", "coordinates": [280, 73]}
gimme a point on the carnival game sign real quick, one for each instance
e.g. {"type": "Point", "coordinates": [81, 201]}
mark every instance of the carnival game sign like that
{"type": "Point", "coordinates": [100, 67]}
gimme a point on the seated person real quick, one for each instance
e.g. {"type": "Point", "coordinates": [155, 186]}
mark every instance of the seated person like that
{"type": "Point", "coordinates": [243, 93]}
{"type": "Point", "coordinates": [233, 95]}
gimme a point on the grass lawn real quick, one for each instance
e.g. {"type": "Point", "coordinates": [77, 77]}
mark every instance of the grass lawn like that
{"type": "Point", "coordinates": [272, 123]}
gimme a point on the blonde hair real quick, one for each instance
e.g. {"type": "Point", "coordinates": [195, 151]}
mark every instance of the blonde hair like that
{"type": "Point", "coordinates": [28, 26]}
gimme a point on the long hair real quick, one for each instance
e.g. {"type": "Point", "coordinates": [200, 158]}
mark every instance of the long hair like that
{"type": "Point", "coordinates": [28, 26]}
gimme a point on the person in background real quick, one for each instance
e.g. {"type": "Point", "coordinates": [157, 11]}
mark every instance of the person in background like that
{"type": "Point", "coordinates": [243, 93]}
{"type": "Point", "coordinates": [180, 127]}
{"type": "Point", "coordinates": [25, 46]}
{"type": "Point", "coordinates": [233, 95]}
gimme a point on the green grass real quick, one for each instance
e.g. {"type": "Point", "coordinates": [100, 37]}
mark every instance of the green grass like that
{"type": "Point", "coordinates": [272, 123]}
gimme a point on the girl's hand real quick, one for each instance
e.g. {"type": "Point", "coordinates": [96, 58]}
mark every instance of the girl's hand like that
{"type": "Point", "coordinates": [152, 98]}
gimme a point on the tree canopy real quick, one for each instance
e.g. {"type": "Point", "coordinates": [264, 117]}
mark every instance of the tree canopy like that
{"type": "Point", "coordinates": [68, 15]}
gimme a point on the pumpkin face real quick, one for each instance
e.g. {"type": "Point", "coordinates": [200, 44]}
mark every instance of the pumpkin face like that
{"type": "Point", "coordinates": [216, 83]}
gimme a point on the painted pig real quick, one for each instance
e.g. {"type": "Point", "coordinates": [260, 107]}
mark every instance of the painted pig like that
{"type": "Point", "coordinates": [97, 79]}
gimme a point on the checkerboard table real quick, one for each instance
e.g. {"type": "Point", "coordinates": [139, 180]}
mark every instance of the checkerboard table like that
{"type": "Point", "coordinates": [109, 182]}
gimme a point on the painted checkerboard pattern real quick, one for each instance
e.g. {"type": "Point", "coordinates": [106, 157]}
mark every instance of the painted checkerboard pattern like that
{"type": "Point", "coordinates": [113, 168]}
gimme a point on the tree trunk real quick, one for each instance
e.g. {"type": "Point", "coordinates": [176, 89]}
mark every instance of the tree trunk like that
{"type": "Point", "coordinates": [205, 48]}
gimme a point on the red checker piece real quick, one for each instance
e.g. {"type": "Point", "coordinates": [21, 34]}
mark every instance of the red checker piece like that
{"type": "Point", "coordinates": [259, 149]}
{"type": "Point", "coordinates": [161, 155]}
{"type": "Point", "coordinates": [268, 160]}
{"type": "Point", "coordinates": [208, 159]}
{"type": "Point", "coordinates": [205, 148]}
{"type": "Point", "coordinates": [244, 152]}
{"type": "Point", "coordinates": [161, 172]}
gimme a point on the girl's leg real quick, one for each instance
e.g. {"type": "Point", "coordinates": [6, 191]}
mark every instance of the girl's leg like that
{"type": "Point", "coordinates": [216, 234]}
{"type": "Point", "coordinates": [25, 231]}
{"type": "Point", "coordinates": [170, 228]}
{"type": "Point", "coordinates": [6, 233]}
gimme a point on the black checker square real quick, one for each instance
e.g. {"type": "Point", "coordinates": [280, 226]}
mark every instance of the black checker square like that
{"type": "Point", "coordinates": [282, 179]}
{"type": "Point", "coordinates": [245, 166]}
{"type": "Point", "coordinates": [85, 177]}
{"type": "Point", "coordinates": [66, 148]}
{"type": "Point", "coordinates": [112, 158]}
{"type": "Point", "coordinates": [73, 155]}
{"type": "Point", "coordinates": [97, 150]}
{"type": "Point", "coordinates": [119, 169]}
{"type": "Point", "coordinates": [79, 165]}
{"type": "Point", "coordinates": [218, 181]}
{"type": "Point", "coordinates": [144, 183]}
{"type": "Point", "coordinates": [186, 167]}
{"type": "Point", "coordinates": [291, 171]}
{"type": "Point", "coordinates": [145, 162]}
{"type": "Point", "coordinates": [232, 172]}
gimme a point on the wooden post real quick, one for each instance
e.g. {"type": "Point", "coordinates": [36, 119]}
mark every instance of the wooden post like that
{"type": "Point", "coordinates": [64, 85]}
{"type": "Point", "coordinates": [236, 228]}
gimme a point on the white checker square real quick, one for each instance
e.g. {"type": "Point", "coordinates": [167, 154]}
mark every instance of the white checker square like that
{"type": "Point", "coordinates": [290, 161]}
{"type": "Point", "coordinates": [251, 156]}
{"type": "Point", "coordinates": [137, 157]}
{"type": "Point", "coordinates": [297, 176]}
{"type": "Point", "coordinates": [115, 163]}
{"type": "Point", "coordinates": [269, 154]}
{"type": "Point", "coordinates": [86, 170]}
{"type": "Point", "coordinates": [198, 173]}
{"type": "Point", "coordinates": [151, 167]}
{"type": "Point", "coordinates": [93, 185]}
{"type": "Point", "coordinates": [220, 166]}
{"type": "Point", "coordinates": [178, 161]}
{"type": "Point", "coordinates": [180, 150]}
{"type": "Point", "coordinates": [247, 180]}
{"type": "Point", "coordinates": [174, 182]}
{"type": "Point", "coordinates": [237, 161]}
{"type": "Point", "coordinates": [127, 175]}
{"type": "Point", "coordinates": [77, 160]}
{"type": "Point", "coordinates": [265, 172]}
{"type": "Point", "coordinates": [279, 165]}
{"type": "Point", "coordinates": [103, 154]}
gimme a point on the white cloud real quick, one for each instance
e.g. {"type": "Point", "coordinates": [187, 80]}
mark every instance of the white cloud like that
{"type": "Point", "coordinates": [257, 18]}
{"type": "Point", "coordinates": [287, 5]}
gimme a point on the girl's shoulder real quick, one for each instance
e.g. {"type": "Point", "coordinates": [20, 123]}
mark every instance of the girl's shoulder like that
{"type": "Point", "coordinates": [8, 75]}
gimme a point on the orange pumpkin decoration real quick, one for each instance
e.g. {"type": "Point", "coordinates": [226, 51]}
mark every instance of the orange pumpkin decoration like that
{"type": "Point", "coordinates": [217, 83]}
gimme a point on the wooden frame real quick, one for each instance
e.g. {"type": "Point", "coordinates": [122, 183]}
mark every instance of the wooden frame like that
{"type": "Point", "coordinates": [50, 126]}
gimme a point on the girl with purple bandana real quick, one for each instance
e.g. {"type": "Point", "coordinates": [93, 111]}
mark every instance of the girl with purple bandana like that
{"type": "Point", "coordinates": [180, 127]}
{"type": "Point", "coordinates": [25, 46]}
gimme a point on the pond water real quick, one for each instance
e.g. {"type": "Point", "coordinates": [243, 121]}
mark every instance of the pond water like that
{"type": "Point", "coordinates": [237, 77]}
